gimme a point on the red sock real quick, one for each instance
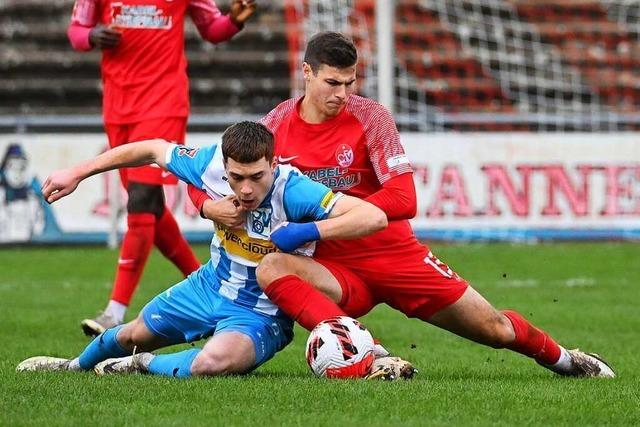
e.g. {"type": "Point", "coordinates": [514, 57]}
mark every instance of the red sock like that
{"type": "Point", "coordinates": [136, 246]}
{"type": "Point", "coordinates": [531, 341]}
{"type": "Point", "coordinates": [173, 245]}
{"type": "Point", "coordinates": [301, 301]}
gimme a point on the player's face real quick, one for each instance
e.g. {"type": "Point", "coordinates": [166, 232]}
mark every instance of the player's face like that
{"type": "Point", "coordinates": [250, 181]}
{"type": "Point", "coordinates": [329, 88]}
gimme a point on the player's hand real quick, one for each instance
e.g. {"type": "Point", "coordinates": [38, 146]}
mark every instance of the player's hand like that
{"type": "Point", "coordinates": [226, 211]}
{"type": "Point", "coordinates": [241, 10]}
{"type": "Point", "coordinates": [59, 184]}
{"type": "Point", "coordinates": [104, 37]}
{"type": "Point", "coordinates": [289, 236]}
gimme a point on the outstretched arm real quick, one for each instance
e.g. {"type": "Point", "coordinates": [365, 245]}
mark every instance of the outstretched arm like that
{"type": "Point", "coordinates": [63, 182]}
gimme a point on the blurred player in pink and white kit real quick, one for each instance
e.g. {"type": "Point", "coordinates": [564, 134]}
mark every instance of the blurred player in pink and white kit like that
{"type": "Point", "coordinates": [351, 144]}
{"type": "Point", "coordinates": [146, 96]}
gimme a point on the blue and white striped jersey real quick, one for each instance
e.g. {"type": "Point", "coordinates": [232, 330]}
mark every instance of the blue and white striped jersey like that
{"type": "Point", "coordinates": [235, 253]}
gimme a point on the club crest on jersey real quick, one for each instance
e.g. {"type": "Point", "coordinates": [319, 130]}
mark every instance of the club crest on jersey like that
{"type": "Point", "coordinates": [344, 155]}
{"type": "Point", "coordinates": [186, 151]}
{"type": "Point", "coordinates": [260, 222]}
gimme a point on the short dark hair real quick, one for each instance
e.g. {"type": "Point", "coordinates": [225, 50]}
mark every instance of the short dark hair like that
{"type": "Point", "coordinates": [247, 142]}
{"type": "Point", "coordinates": [332, 49]}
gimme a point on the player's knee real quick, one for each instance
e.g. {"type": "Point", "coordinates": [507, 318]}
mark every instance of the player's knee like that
{"type": "Point", "coordinates": [272, 267]}
{"type": "Point", "coordinates": [133, 334]}
{"type": "Point", "coordinates": [145, 198]}
{"type": "Point", "coordinates": [213, 364]}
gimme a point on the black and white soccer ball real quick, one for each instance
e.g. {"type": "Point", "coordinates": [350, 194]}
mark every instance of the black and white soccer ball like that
{"type": "Point", "coordinates": [340, 347]}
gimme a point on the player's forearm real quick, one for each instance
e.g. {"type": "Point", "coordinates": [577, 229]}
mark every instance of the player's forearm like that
{"type": "Point", "coordinates": [397, 197]}
{"type": "Point", "coordinates": [128, 155]}
{"type": "Point", "coordinates": [359, 221]}
{"type": "Point", "coordinates": [79, 37]}
{"type": "Point", "coordinates": [219, 30]}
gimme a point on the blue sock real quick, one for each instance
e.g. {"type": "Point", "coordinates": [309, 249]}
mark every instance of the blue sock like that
{"type": "Point", "coordinates": [103, 347]}
{"type": "Point", "coordinates": [176, 365]}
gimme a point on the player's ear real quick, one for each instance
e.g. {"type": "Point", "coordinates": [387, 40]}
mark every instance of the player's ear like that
{"type": "Point", "coordinates": [274, 163]}
{"type": "Point", "coordinates": [306, 71]}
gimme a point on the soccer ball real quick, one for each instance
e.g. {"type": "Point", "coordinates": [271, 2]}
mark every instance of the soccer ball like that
{"type": "Point", "coordinates": [340, 347]}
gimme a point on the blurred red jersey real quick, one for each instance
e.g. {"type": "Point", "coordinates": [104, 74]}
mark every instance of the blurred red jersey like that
{"type": "Point", "coordinates": [145, 76]}
{"type": "Point", "coordinates": [354, 153]}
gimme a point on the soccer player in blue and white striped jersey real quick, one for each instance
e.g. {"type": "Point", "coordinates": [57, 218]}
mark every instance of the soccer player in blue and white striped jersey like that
{"type": "Point", "coordinates": [222, 300]}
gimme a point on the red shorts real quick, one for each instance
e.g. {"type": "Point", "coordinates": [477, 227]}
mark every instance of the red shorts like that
{"type": "Point", "coordinates": [169, 128]}
{"type": "Point", "coordinates": [412, 281]}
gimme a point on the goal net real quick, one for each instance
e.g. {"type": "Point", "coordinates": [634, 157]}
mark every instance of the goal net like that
{"type": "Point", "coordinates": [549, 65]}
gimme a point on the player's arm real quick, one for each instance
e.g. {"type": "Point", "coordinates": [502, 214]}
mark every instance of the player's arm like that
{"type": "Point", "coordinates": [351, 218]}
{"type": "Point", "coordinates": [85, 33]}
{"type": "Point", "coordinates": [215, 27]}
{"type": "Point", "coordinates": [397, 197]}
{"type": "Point", "coordinates": [336, 216]}
{"type": "Point", "coordinates": [65, 181]}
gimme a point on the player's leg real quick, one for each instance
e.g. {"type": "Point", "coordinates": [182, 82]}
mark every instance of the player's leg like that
{"type": "Point", "coordinates": [243, 340]}
{"type": "Point", "coordinates": [186, 312]}
{"type": "Point", "coordinates": [312, 290]}
{"type": "Point", "coordinates": [115, 342]}
{"type": "Point", "coordinates": [308, 291]}
{"type": "Point", "coordinates": [474, 318]}
{"type": "Point", "coordinates": [430, 290]}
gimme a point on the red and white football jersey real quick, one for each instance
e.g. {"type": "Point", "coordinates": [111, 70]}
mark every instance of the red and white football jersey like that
{"type": "Point", "coordinates": [145, 76]}
{"type": "Point", "coordinates": [354, 153]}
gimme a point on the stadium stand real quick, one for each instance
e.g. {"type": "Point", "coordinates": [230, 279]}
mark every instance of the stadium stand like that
{"type": "Point", "coordinates": [41, 74]}
{"type": "Point", "coordinates": [566, 65]}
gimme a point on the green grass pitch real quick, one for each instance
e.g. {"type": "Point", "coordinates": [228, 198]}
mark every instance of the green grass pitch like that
{"type": "Point", "coordinates": [584, 294]}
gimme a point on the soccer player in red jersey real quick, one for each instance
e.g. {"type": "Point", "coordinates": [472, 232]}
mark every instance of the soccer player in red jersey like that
{"type": "Point", "coordinates": [146, 96]}
{"type": "Point", "coordinates": [351, 144]}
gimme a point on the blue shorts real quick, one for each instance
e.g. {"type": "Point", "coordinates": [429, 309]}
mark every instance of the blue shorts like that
{"type": "Point", "coordinates": [191, 310]}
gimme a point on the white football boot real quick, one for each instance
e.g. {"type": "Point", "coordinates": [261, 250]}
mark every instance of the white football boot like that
{"type": "Point", "coordinates": [43, 364]}
{"type": "Point", "coordinates": [388, 368]}
{"type": "Point", "coordinates": [135, 364]}
{"type": "Point", "coordinates": [587, 365]}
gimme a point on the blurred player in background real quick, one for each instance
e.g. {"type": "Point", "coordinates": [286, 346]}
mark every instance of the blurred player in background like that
{"type": "Point", "coordinates": [146, 96]}
{"type": "Point", "coordinates": [222, 298]}
{"type": "Point", "coordinates": [351, 144]}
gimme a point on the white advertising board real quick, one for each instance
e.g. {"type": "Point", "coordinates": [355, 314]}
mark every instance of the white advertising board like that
{"type": "Point", "coordinates": [496, 186]}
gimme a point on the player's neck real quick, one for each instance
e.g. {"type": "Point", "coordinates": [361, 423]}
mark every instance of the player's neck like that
{"type": "Point", "coordinates": [310, 113]}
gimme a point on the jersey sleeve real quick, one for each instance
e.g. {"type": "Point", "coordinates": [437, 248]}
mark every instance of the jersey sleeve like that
{"type": "Point", "coordinates": [189, 164]}
{"type": "Point", "coordinates": [385, 150]}
{"type": "Point", "coordinates": [307, 200]}
{"type": "Point", "coordinates": [383, 139]}
{"type": "Point", "coordinates": [212, 25]}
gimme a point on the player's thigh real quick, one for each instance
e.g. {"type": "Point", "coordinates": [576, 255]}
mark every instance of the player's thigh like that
{"type": "Point", "coordinates": [412, 281]}
{"type": "Point", "coordinates": [169, 129]}
{"type": "Point", "coordinates": [355, 299]}
{"type": "Point", "coordinates": [268, 334]}
{"type": "Point", "coordinates": [473, 317]}
{"type": "Point", "coordinates": [118, 134]}
{"type": "Point", "coordinates": [183, 313]}
{"type": "Point", "coordinates": [276, 265]}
